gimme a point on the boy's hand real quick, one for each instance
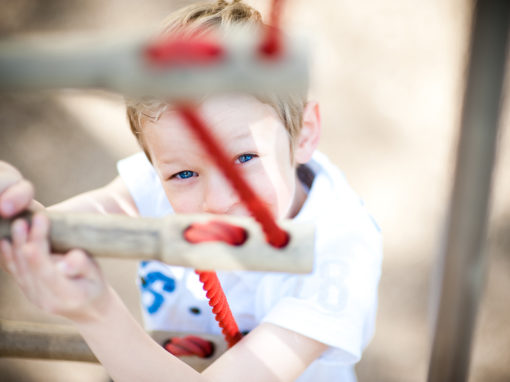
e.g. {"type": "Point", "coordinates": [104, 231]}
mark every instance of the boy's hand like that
{"type": "Point", "coordinates": [69, 285]}
{"type": "Point", "coordinates": [16, 193]}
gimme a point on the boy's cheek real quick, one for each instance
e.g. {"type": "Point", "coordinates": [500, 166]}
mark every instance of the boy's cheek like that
{"type": "Point", "coordinates": [183, 202]}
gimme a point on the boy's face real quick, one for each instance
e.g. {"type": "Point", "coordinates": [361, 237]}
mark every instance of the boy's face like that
{"type": "Point", "coordinates": [252, 135]}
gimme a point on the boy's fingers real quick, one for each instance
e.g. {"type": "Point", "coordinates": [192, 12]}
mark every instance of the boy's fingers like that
{"type": "Point", "coordinates": [36, 250]}
{"type": "Point", "coordinates": [37, 260]}
{"type": "Point", "coordinates": [19, 232]}
{"type": "Point", "coordinates": [76, 264]}
{"type": "Point", "coordinates": [40, 228]}
{"type": "Point", "coordinates": [19, 239]}
{"type": "Point", "coordinates": [6, 252]}
{"type": "Point", "coordinates": [16, 198]}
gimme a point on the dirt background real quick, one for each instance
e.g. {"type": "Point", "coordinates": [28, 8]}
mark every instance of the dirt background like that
{"type": "Point", "coordinates": [389, 77]}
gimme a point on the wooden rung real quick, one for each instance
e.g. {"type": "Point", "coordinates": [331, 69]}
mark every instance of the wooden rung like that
{"type": "Point", "coordinates": [61, 342]}
{"type": "Point", "coordinates": [162, 239]}
{"type": "Point", "coordinates": [120, 65]}
{"type": "Point", "coordinates": [34, 340]}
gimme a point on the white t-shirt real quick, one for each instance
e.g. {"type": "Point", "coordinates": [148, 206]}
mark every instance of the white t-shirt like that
{"type": "Point", "coordinates": [336, 304]}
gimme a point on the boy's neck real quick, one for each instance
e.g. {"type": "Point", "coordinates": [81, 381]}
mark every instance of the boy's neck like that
{"type": "Point", "coordinates": [300, 195]}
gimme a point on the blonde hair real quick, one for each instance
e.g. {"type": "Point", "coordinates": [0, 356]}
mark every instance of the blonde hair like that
{"type": "Point", "coordinates": [200, 17]}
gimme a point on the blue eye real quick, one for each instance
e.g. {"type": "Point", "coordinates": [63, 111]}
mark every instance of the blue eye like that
{"type": "Point", "coordinates": [245, 158]}
{"type": "Point", "coordinates": [184, 174]}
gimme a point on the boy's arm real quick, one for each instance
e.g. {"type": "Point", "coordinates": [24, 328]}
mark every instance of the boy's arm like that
{"type": "Point", "coordinates": [114, 198]}
{"type": "Point", "coordinates": [269, 353]}
{"type": "Point", "coordinates": [17, 194]}
{"type": "Point", "coordinates": [72, 286]}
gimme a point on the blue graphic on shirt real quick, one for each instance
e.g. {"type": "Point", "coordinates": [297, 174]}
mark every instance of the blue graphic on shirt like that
{"type": "Point", "coordinates": [147, 285]}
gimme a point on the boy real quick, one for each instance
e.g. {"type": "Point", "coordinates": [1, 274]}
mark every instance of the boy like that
{"type": "Point", "coordinates": [310, 327]}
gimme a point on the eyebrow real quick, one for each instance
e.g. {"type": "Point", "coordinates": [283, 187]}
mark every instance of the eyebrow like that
{"type": "Point", "coordinates": [240, 135]}
{"type": "Point", "coordinates": [237, 135]}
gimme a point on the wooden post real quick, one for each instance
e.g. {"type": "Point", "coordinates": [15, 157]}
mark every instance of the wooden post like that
{"type": "Point", "coordinates": [463, 261]}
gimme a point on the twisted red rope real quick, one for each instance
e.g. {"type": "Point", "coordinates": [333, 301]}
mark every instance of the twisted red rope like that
{"type": "Point", "coordinates": [230, 234]}
{"type": "Point", "coordinates": [169, 52]}
{"type": "Point", "coordinates": [272, 44]}
{"type": "Point", "coordinates": [220, 307]}
{"type": "Point", "coordinates": [274, 234]}
{"type": "Point", "coordinates": [175, 50]}
{"type": "Point", "coordinates": [189, 345]}
{"type": "Point", "coordinates": [215, 231]}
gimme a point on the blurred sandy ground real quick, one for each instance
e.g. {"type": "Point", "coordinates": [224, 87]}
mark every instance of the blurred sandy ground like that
{"type": "Point", "coordinates": [389, 76]}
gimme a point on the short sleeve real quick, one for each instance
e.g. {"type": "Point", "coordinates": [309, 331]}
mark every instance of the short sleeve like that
{"type": "Point", "coordinates": [144, 185]}
{"type": "Point", "coordinates": [336, 304]}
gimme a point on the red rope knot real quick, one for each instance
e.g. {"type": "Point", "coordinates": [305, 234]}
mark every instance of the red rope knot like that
{"type": "Point", "coordinates": [189, 346]}
{"type": "Point", "coordinates": [215, 231]}
{"type": "Point", "coordinates": [275, 236]}
{"type": "Point", "coordinates": [271, 46]}
{"type": "Point", "coordinates": [180, 50]}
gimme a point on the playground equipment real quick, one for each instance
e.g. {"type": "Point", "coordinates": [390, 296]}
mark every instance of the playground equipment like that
{"type": "Point", "coordinates": [165, 239]}
{"type": "Point", "coordinates": [462, 260]}
{"type": "Point", "coordinates": [179, 69]}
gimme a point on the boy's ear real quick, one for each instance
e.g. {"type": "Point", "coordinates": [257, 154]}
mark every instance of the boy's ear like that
{"type": "Point", "coordinates": [308, 138]}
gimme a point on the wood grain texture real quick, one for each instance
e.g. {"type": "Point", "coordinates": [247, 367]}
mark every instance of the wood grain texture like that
{"type": "Point", "coordinates": [63, 342]}
{"type": "Point", "coordinates": [162, 239]}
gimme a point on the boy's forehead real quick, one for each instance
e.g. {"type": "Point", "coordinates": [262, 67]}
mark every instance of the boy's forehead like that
{"type": "Point", "coordinates": [234, 105]}
{"type": "Point", "coordinates": [234, 114]}
{"type": "Point", "coordinates": [239, 122]}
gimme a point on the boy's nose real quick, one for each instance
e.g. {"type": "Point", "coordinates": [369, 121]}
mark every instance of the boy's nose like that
{"type": "Point", "coordinates": [220, 197]}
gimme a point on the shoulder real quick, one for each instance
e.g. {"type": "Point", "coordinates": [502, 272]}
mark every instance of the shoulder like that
{"type": "Point", "coordinates": [332, 201]}
{"type": "Point", "coordinates": [346, 233]}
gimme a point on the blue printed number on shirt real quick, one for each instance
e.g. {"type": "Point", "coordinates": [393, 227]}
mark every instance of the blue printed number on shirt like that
{"type": "Point", "coordinates": [147, 285]}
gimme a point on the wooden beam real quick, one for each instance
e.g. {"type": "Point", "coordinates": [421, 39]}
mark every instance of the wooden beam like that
{"type": "Point", "coordinates": [120, 65]}
{"type": "Point", "coordinates": [63, 342]}
{"type": "Point", "coordinates": [162, 239]}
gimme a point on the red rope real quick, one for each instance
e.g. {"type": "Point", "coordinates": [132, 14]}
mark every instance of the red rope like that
{"type": "Point", "coordinates": [199, 233]}
{"type": "Point", "coordinates": [170, 51]}
{"type": "Point", "coordinates": [274, 234]}
{"type": "Point", "coordinates": [190, 345]}
{"type": "Point", "coordinates": [272, 44]}
{"type": "Point", "coordinates": [230, 234]}
{"type": "Point", "coordinates": [221, 309]}
{"type": "Point", "coordinates": [201, 50]}
{"type": "Point", "coordinates": [215, 231]}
